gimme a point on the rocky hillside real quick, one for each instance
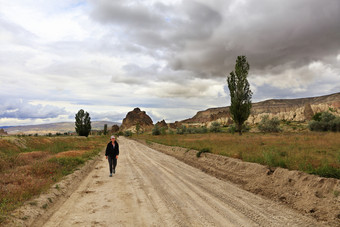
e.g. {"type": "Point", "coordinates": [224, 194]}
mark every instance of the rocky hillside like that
{"type": "Point", "coordinates": [136, 117]}
{"type": "Point", "coordinates": [285, 109]}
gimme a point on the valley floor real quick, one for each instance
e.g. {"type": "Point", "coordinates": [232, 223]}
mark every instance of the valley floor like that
{"type": "Point", "coordinates": [154, 189]}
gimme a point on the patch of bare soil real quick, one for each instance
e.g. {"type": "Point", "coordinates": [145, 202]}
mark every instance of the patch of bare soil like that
{"type": "Point", "coordinates": [309, 194]}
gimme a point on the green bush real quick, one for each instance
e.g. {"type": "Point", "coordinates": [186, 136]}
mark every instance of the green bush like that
{"type": "Point", "coordinates": [120, 133]}
{"type": "Point", "coordinates": [274, 159]}
{"type": "Point", "coordinates": [203, 150]}
{"type": "Point", "coordinates": [327, 171]}
{"type": "Point", "coordinates": [191, 130]}
{"type": "Point", "coordinates": [156, 130]}
{"type": "Point", "coordinates": [127, 133]}
{"type": "Point", "coordinates": [269, 125]}
{"type": "Point", "coordinates": [181, 130]}
{"type": "Point", "coordinates": [325, 121]}
{"type": "Point", "coordinates": [215, 127]}
{"type": "Point", "coordinates": [231, 129]}
{"type": "Point", "coordinates": [335, 124]}
{"type": "Point", "coordinates": [317, 117]}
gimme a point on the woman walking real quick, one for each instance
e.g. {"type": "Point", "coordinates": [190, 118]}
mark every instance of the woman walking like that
{"type": "Point", "coordinates": [112, 152]}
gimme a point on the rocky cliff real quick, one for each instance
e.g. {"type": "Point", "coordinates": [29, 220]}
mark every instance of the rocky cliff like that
{"type": "Point", "coordinates": [285, 109]}
{"type": "Point", "coordinates": [162, 124]}
{"type": "Point", "coordinates": [136, 117]}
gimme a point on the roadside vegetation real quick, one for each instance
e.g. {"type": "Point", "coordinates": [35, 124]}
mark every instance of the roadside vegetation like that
{"type": "Point", "coordinates": [312, 152]}
{"type": "Point", "coordinates": [325, 121]}
{"type": "Point", "coordinates": [29, 165]}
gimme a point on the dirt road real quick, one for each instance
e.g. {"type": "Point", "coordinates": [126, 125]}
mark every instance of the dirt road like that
{"type": "Point", "coordinates": [153, 189]}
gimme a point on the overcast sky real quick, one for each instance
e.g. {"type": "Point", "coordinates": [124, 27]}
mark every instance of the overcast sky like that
{"type": "Point", "coordinates": [170, 58]}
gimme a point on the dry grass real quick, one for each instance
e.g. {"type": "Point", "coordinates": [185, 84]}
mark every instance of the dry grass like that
{"type": "Point", "coordinates": [73, 153]}
{"type": "Point", "coordinates": [30, 165]}
{"type": "Point", "coordinates": [312, 152]}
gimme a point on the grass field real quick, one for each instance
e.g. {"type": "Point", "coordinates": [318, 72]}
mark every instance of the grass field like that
{"type": "Point", "coordinates": [30, 165]}
{"type": "Point", "coordinates": [311, 152]}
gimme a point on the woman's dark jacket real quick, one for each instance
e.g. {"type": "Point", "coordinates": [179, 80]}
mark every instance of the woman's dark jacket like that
{"type": "Point", "coordinates": [112, 151]}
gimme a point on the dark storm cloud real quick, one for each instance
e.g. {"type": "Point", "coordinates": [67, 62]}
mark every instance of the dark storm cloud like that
{"type": "Point", "coordinates": [275, 35]}
{"type": "Point", "coordinates": [157, 27]}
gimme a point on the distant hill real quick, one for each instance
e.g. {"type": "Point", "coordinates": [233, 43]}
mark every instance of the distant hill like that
{"type": "Point", "coordinates": [60, 127]}
{"type": "Point", "coordinates": [301, 109]}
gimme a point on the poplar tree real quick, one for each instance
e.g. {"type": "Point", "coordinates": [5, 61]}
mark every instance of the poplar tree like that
{"type": "Point", "coordinates": [240, 93]}
{"type": "Point", "coordinates": [105, 129]}
{"type": "Point", "coordinates": [83, 123]}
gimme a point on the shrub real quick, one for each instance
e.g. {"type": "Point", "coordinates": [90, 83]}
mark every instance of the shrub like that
{"type": "Point", "coordinates": [335, 125]}
{"type": "Point", "coordinates": [325, 121]}
{"type": "Point", "coordinates": [163, 131]}
{"type": "Point", "coordinates": [191, 130]}
{"type": "Point", "coordinates": [327, 171]}
{"type": "Point", "coordinates": [200, 130]}
{"type": "Point", "coordinates": [181, 130]}
{"type": "Point", "coordinates": [269, 125]}
{"type": "Point", "coordinates": [203, 150]}
{"type": "Point", "coordinates": [274, 159]}
{"type": "Point", "coordinates": [204, 129]}
{"type": "Point", "coordinates": [215, 127]}
{"type": "Point", "coordinates": [120, 133]}
{"type": "Point", "coordinates": [232, 129]}
{"type": "Point", "coordinates": [156, 130]}
{"type": "Point", "coordinates": [317, 117]}
{"type": "Point", "coordinates": [127, 133]}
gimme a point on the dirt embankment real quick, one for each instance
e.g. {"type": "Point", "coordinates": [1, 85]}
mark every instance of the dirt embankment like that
{"type": "Point", "coordinates": [309, 194]}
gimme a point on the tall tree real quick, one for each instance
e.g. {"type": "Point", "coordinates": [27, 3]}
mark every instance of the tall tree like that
{"type": "Point", "coordinates": [240, 93]}
{"type": "Point", "coordinates": [83, 123]}
{"type": "Point", "coordinates": [105, 129]}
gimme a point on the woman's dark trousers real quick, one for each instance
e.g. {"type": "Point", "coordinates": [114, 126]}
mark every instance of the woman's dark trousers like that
{"type": "Point", "coordinates": [112, 164]}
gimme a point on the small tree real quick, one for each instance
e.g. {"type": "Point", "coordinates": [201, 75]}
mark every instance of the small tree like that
{"type": "Point", "coordinates": [105, 129]}
{"type": "Point", "coordinates": [137, 128]}
{"type": "Point", "coordinates": [240, 93]}
{"type": "Point", "coordinates": [83, 123]}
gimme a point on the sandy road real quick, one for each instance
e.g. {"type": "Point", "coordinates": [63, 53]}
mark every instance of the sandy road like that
{"type": "Point", "coordinates": [153, 189]}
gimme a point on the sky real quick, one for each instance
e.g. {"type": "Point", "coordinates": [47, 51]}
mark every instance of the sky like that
{"type": "Point", "coordinates": [170, 58]}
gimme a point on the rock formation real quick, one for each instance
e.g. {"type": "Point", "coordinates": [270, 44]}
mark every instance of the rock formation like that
{"type": "Point", "coordinates": [114, 128]}
{"type": "Point", "coordinates": [2, 132]}
{"type": "Point", "coordinates": [308, 112]}
{"type": "Point", "coordinates": [136, 117]}
{"type": "Point", "coordinates": [285, 109]}
{"type": "Point", "coordinates": [162, 124]}
{"type": "Point", "coordinates": [175, 125]}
